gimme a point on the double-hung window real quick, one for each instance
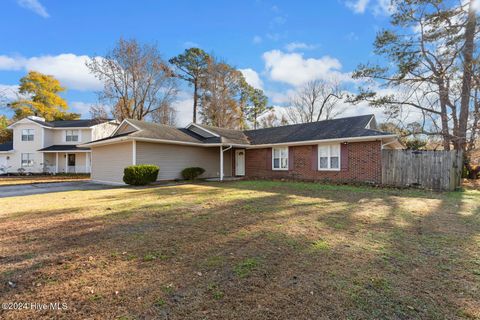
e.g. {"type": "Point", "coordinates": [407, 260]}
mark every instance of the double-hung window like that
{"type": "Point", "coordinates": [28, 134]}
{"type": "Point", "coordinates": [27, 160]}
{"type": "Point", "coordinates": [71, 135]}
{"type": "Point", "coordinates": [329, 157]}
{"type": "Point", "coordinates": [280, 158]}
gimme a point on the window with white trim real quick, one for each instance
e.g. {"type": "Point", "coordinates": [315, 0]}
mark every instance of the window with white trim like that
{"type": "Point", "coordinates": [71, 135]}
{"type": "Point", "coordinates": [280, 158]}
{"type": "Point", "coordinates": [27, 160]}
{"type": "Point", "coordinates": [329, 157]}
{"type": "Point", "coordinates": [28, 134]}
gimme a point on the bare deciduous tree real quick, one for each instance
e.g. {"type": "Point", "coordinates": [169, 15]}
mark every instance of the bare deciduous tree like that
{"type": "Point", "coordinates": [165, 115]}
{"type": "Point", "coordinates": [429, 50]}
{"type": "Point", "coordinates": [316, 100]}
{"type": "Point", "coordinates": [223, 100]}
{"type": "Point", "coordinates": [271, 119]}
{"type": "Point", "coordinates": [137, 81]}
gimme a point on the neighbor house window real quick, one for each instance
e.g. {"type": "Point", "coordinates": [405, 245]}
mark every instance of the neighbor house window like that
{"type": "Point", "coordinates": [72, 135]}
{"type": "Point", "coordinates": [329, 157]}
{"type": "Point", "coordinates": [27, 160]}
{"type": "Point", "coordinates": [27, 134]}
{"type": "Point", "coordinates": [280, 158]}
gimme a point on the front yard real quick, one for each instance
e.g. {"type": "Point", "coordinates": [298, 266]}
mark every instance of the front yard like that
{"type": "Point", "coordinates": [243, 250]}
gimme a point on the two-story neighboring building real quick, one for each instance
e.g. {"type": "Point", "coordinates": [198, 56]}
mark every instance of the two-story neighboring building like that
{"type": "Point", "coordinates": [51, 146]}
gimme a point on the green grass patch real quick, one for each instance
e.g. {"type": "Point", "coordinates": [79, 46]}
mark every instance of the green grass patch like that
{"type": "Point", "coordinates": [320, 245]}
{"type": "Point", "coordinates": [159, 303]}
{"type": "Point", "coordinates": [246, 267]}
{"type": "Point", "coordinates": [214, 290]}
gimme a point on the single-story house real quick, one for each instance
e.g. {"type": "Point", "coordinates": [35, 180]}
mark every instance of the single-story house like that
{"type": "Point", "coordinates": [344, 149]}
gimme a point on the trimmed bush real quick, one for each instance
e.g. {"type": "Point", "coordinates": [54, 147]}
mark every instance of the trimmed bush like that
{"type": "Point", "coordinates": [140, 175]}
{"type": "Point", "coordinates": [192, 173]}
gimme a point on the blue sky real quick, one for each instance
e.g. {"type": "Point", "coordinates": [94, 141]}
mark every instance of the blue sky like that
{"type": "Point", "coordinates": [277, 44]}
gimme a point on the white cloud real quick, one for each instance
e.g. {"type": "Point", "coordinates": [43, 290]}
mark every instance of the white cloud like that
{"type": "Point", "coordinates": [68, 68]}
{"type": "Point", "coordinates": [9, 63]}
{"type": "Point", "coordinates": [280, 97]}
{"type": "Point", "coordinates": [378, 8]}
{"type": "Point", "coordinates": [476, 5]}
{"type": "Point", "coordinates": [294, 46]}
{"type": "Point", "coordinates": [184, 108]}
{"type": "Point", "coordinates": [252, 78]}
{"type": "Point", "coordinates": [8, 92]}
{"type": "Point", "coordinates": [294, 69]}
{"type": "Point", "coordinates": [81, 107]}
{"type": "Point", "coordinates": [35, 6]}
{"type": "Point", "coordinates": [358, 6]}
{"type": "Point", "coordinates": [257, 39]}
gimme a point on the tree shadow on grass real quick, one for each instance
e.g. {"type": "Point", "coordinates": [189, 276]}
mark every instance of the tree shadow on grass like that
{"type": "Point", "coordinates": [267, 254]}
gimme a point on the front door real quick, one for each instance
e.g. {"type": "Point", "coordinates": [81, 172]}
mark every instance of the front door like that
{"type": "Point", "coordinates": [71, 163]}
{"type": "Point", "coordinates": [239, 162]}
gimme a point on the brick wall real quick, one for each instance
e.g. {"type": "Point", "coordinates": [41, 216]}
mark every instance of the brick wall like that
{"type": "Point", "coordinates": [363, 164]}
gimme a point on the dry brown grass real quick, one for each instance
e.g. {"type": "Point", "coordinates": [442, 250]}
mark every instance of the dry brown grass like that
{"type": "Point", "coordinates": [243, 250]}
{"type": "Point", "coordinates": [17, 180]}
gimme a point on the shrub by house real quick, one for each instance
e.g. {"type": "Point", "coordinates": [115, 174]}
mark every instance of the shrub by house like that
{"type": "Point", "coordinates": [140, 175]}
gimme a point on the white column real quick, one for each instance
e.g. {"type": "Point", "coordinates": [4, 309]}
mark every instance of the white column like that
{"type": "Point", "coordinates": [86, 161]}
{"type": "Point", "coordinates": [56, 162]}
{"type": "Point", "coordinates": [66, 162]}
{"type": "Point", "coordinates": [221, 163]}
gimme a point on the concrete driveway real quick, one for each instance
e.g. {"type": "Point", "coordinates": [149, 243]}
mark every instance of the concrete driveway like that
{"type": "Point", "coordinates": [29, 189]}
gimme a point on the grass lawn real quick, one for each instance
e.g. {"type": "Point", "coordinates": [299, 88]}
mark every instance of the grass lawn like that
{"type": "Point", "coordinates": [243, 250]}
{"type": "Point", "coordinates": [15, 180]}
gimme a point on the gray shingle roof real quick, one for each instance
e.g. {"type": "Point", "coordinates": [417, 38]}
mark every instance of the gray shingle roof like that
{"type": "Point", "coordinates": [81, 123]}
{"type": "Point", "coordinates": [350, 127]}
{"type": "Point", "coordinates": [6, 146]}
{"type": "Point", "coordinates": [159, 131]}
{"type": "Point", "coordinates": [228, 135]}
{"type": "Point", "coordinates": [321, 130]}
{"type": "Point", "coordinates": [64, 147]}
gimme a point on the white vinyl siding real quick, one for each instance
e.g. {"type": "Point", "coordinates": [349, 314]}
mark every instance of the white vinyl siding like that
{"type": "Point", "coordinates": [27, 160]}
{"type": "Point", "coordinates": [172, 159]}
{"type": "Point", "coordinates": [329, 157]}
{"type": "Point", "coordinates": [280, 158]}
{"type": "Point", "coordinates": [109, 161]}
{"type": "Point", "coordinates": [28, 134]}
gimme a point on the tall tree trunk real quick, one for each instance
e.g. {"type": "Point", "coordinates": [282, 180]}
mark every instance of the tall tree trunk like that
{"type": "Point", "coordinates": [195, 100]}
{"type": "Point", "coordinates": [443, 95]}
{"type": "Point", "coordinates": [467, 78]}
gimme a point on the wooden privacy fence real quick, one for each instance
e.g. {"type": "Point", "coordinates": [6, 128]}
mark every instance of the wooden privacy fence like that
{"type": "Point", "coordinates": [437, 170]}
